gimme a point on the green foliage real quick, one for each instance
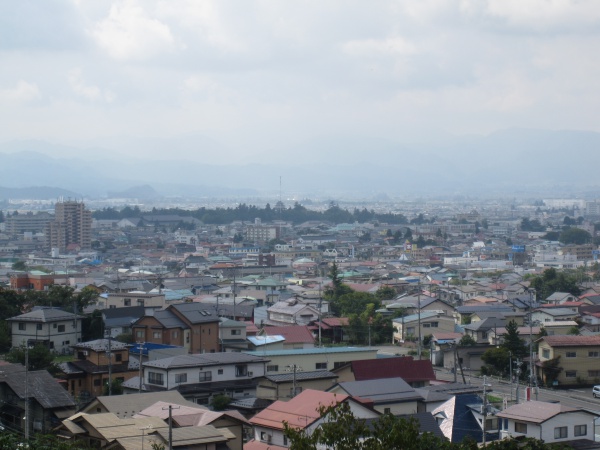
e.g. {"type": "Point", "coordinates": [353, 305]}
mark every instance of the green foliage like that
{"type": "Point", "coordinates": [11, 303]}
{"type": "Point", "coordinates": [12, 441]}
{"type": "Point", "coordinates": [551, 236]}
{"type": "Point", "coordinates": [341, 430]}
{"type": "Point", "coordinates": [353, 303]}
{"type": "Point", "coordinates": [531, 225]}
{"type": "Point", "coordinates": [513, 342]}
{"type": "Point", "coordinates": [386, 293]}
{"type": "Point", "coordinates": [20, 266]}
{"type": "Point", "coordinates": [220, 402]}
{"type": "Point", "coordinates": [554, 281]}
{"type": "Point", "coordinates": [551, 369]}
{"type": "Point", "coordinates": [467, 341]}
{"type": "Point", "coordinates": [5, 339]}
{"type": "Point", "coordinates": [575, 236]}
{"type": "Point", "coordinates": [574, 331]}
{"type": "Point", "coordinates": [116, 387]}
{"type": "Point", "coordinates": [368, 322]}
{"type": "Point", "coordinates": [496, 361]}
{"type": "Point", "coordinates": [125, 338]}
{"type": "Point", "coordinates": [337, 289]}
{"type": "Point", "coordinates": [40, 357]}
{"type": "Point", "coordinates": [92, 326]}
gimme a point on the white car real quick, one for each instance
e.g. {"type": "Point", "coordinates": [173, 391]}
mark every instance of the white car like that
{"type": "Point", "coordinates": [596, 391]}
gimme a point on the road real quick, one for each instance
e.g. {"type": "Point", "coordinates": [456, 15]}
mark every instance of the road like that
{"type": "Point", "coordinates": [576, 398]}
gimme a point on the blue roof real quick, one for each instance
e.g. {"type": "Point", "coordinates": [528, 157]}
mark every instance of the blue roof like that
{"type": "Point", "coordinates": [312, 351]}
{"type": "Point", "coordinates": [135, 348]}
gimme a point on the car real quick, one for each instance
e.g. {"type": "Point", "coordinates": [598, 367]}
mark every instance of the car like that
{"type": "Point", "coordinates": [596, 391]}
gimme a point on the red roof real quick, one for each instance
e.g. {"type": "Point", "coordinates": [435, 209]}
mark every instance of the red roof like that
{"type": "Point", "coordinates": [299, 412]}
{"type": "Point", "coordinates": [257, 445]}
{"type": "Point", "coordinates": [336, 321]}
{"type": "Point", "coordinates": [404, 367]}
{"type": "Point", "coordinates": [293, 334]}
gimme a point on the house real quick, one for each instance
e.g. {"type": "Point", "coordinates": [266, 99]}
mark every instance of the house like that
{"type": "Point", "coordinates": [196, 416]}
{"type": "Point", "coordinates": [550, 422]}
{"type": "Point", "coordinates": [415, 373]}
{"type": "Point", "coordinates": [407, 327]}
{"type": "Point", "coordinates": [291, 312]}
{"type": "Point", "coordinates": [496, 336]}
{"type": "Point", "coordinates": [331, 329]}
{"type": "Point", "coordinates": [125, 406]}
{"type": "Point", "coordinates": [560, 297]}
{"type": "Point", "coordinates": [126, 299]}
{"type": "Point", "coordinates": [295, 336]}
{"type": "Point", "coordinates": [579, 359]}
{"type": "Point", "coordinates": [463, 313]}
{"type": "Point", "coordinates": [232, 335]}
{"type": "Point", "coordinates": [52, 327]}
{"type": "Point", "coordinates": [285, 386]}
{"type": "Point", "coordinates": [119, 320]}
{"type": "Point", "coordinates": [393, 396]}
{"type": "Point", "coordinates": [554, 314]}
{"type": "Point", "coordinates": [87, 375]}
{"type": "Point", "coordinates": [48, 401]}
{"type": "Point", "coordinates": [480, 330]}
{"type": "Point", "coordinates": [106, 430]}
{"type": "Point", "coordinates": [435, 395]}
{"type": "Point", "coordinates": [461, 416]}
{"type": "Point", "coordinates": [301, 412]}
{"type": "Point", "coordinates": [322, 358]}
{"type": "Point", "coordinates": [191, 325]}
{"type": "Point", "coordinates": [198, 377]}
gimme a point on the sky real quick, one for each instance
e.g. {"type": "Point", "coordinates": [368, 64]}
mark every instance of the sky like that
{"type": "Point", "coordinates": [255, 75]}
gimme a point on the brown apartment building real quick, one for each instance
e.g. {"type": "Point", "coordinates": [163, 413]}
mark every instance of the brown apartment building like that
{"type": "Point", "coordinates": [194, 326]}
{"type": "Point", "coordinates": [72, 226]}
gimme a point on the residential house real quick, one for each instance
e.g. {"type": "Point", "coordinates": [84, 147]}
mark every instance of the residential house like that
{"type": "Point", "coordinates": [285, 386]}
{"type": "Point", "coordinates": [52, 327]}
{"type": "Point", "coordinates": [232, 335]}
{"type": "Point", "coordinates": [435, 395]}
{"type": "Point", "coordinates": [463, 313]}
{"type": "Point", "coordinates": [410, 304]}
{"type": "Point", "coordinates": [322, 358]}
{"type": "Point", "coordinates": [301, 412]}
{"type": "Point", "coordinates": [550, 422]}
{"type": "Point", "coordinates": [496, 336]}
{"type": "Point", "coordinates": [295, 336]}
{"type": "Point", "coordinates": [407, 327]}
{"type": "Point", "coordinates": [331, 329]}
{"type": "Point", "coordinates": [291, 312]}
{"type": "Point", "coordinates": [417, 373]}
{"type": "Point", "coordinates": [125, 406]}
{"type": "Point", "coordinates": [118, 320]}
{"type": "Point", "coordinates": [554, 314]}
{"type": "Point", "coordinates": [394, 396]}
{"type": "Point", "coordinates": [189, 325]}
{"type": "Point", "coordinates": [579, 359]}
{"type": "Point", "coordinates": [87, 375]}
{"type": "Point", "coordinates": [560, 297]}
{"type": "Point", "coordinates": [48, 401]}
{"type": "Point", "coordinates": [126, 299]}
{"type": "Point", "coordinates": [480, 330]}
{"type": "Point", "coordinates": [198, 377]}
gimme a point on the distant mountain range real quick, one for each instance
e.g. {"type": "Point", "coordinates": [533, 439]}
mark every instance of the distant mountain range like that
{"type": "Point", "coordinates": [512, 162]}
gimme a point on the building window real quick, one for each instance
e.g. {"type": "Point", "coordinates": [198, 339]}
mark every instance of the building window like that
{"type": "Point", "coordinates": [118, 357]}
{"type": "Point", "coordinates": [593, 354]}
{"type": "Point", "coordinates": [140, 302]}
{"type": "Point", "coordinates": [156, 378]}
{"type": "Point", "coordinates": [561, 432]}
{"type": "Point", "coordinates": [546, 353]}
{"type": "Point", "coordinates": [236, 332]}
{"type": "Point", "coordinates": [205, 376]}
{"type": "Point", "coordinates": [39, 326]}
{"type": "Point", "coordinates": [241, 371]}
{"type": "Point", "coordinates": [181, 378]}
{"type": "Point", "coordinates": [520, 427]}
{"type": "Point", "coordinates": [594, 373]}
{"type": "Point", "coordinates": [570, 373]}
{"type": "Point", "coordinates": [61, 328]}
{"type": "Point", "coordinates": [127, 302]}
{"type": "Point", "coordinates": [338, 364]}
{"type": "Point", "coordinates": [321, 366]}
{"type": "Point", "coordinates": [273, 368]}
{"type": "Point", "coordinates": [139, 333]}
{"type": "Point", "coordinates": [580, 430]}
{"type": "Point", "coordinates": [156, 334]}
{"type": "Point", "coordinates": [97, 382]}
{"type": "Point", "coordinates": [174, 334]}
{"type": "Point", "coordinates": [571, 354]}
{"type": "Point", "coordinates": [22, 326]}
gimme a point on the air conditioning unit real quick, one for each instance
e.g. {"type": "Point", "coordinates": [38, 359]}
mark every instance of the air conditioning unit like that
{"type": "Point", "coordinates": [250, 374]}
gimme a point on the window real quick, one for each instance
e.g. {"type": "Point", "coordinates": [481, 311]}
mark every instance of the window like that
{"type": "Point", "coordinates": [337, 365]}
{"type": "Point", "coordinates": [594, 373]}
{"type": "Point", "coordinates": [241, 371]}
{"type": "Point", "coordinates": [220, 371]}
{"type": "Point", "coordinates": [156, 378]}
{"type": "Point", "coordinates": [571, 354]}
{"type": "Point", "coordinates": [387, 410]}
{"type": "Point", "coordinates": [580, 430]}
{"type": "Point", "coordinates": [236, 332]}
{"type": "Point", "coordinates": [174, 334]}
{"type": "Point", "coordinates": [140, 302]}
{"type": "Point", "coordinates": [570, 373]}
{"type": "Point", "coordinates": [273, 368]}
{"type": "Point", "coordinates": [434, 324]}
{"type": "Point", "coordinates": [520, 427]}
{"type": "Point", "coordinates": [118, 357]}
{"type": "Point", "coordinates": [127, 302]}
{"type": "Point", "coordinates": [321, 366]}
{"type": "Point", "coordinates": [97, 382]}
{"type": "Point", "coordinates": [561, 432]}
{"type": "Point", "coordinates": [39, 326]}
{"type": "Point", "coordinates": [156, 334]}
{"type": "Point", "coordinates": [22, 326]}
{"type": "Point", "coordinates": [265, 437]}
{"type": "Point", "coordinates": [61, 328]}
{"type": "Point", "coordinates": [139, 333]}
{"type": "Point", "coordinates": [593, 354]}
{"type": "Point", "coordinates": [181, 378]}
{"type": "Point", "coordinates": [205, 376]}
{"type": "Point", "coordinates": [546, 353]}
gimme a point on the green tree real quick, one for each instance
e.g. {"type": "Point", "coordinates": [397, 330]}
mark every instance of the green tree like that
{"type": "Point", "coordinates": [385, 293]}
{"type": "Point", "coordinates": [575, 236]}
{"type": "Point", "coordinates": [20, 266]}
{"type": "Point", "coordinates": [513, 342]}
{"type": "Point", "coordinates": [220, 402]}
{"type": "Point", "coordinates": [116, 387]}
{"type": "Point", "coordinates": [338, 288]}
{"type": "Point", "coordinates": [5, 339]}
{"type": "Point", "coordinates": [551, 370]}
{"type": "Point", "coordinates": [40, 357]}
{"type": "Point", "coordinates": [497, 361]}
{"type": "Point", "coordinates": [467, 341]}
{"type": "Point", "coordinates": [554, 281]}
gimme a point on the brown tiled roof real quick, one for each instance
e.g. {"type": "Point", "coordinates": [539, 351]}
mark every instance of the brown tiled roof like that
{"type": "Point", "coordinates": [293, 334]}
{"type": "Point", "coordinates": [571, 340]}
{"type": "Point", "coordinates": [336, 321]}
{"type": "Point", "coordinates": [534, 411]}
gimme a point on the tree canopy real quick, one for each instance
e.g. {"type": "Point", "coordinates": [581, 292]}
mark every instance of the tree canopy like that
{"type": "Point", "coordinates": [552, 281]}
{"type": "Point", "coordinates": [575, 236]}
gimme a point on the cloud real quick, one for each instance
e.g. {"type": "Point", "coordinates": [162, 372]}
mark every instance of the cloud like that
{"type": "Point", "coordinates": [129, 33]}
{"type": "Point", "coordinates": [22, 92]}
{"type": "Point", "coordinates": [92, 93]}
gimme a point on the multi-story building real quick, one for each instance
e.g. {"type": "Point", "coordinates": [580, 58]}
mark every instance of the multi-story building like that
{"type": "Point", "coordinates": [56, 329]}
{"type": "Point", "coordinates": [258, 233]}
{"type": "Point", "coordinates": [29, 222]}
{"type": "Point", "coordinates": [578, 362]}
{"type": "Point", "coordinates": [72, 225]}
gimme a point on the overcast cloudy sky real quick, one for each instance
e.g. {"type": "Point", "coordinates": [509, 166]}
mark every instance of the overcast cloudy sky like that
{"type": "Point", "coordinates": [257, 74]}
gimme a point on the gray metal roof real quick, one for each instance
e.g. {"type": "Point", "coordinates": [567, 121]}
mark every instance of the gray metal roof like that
{"type": "Point", "coordinates": [45, 315]}
{"type": "Point", "coordinates": [204, 359]}
{"type": "Point", "coordinates": [392, 391]}
{"type": "Point", "coordinates": [168, 319]}
{"type": "Point", "coordinates": [301, 376]}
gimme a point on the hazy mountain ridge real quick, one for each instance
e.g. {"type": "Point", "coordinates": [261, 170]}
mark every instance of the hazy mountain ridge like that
{"type": "Point", "coordinates": [506, 161]}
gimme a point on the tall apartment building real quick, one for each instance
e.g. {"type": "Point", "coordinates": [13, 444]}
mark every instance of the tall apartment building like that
{"type": "Point", "coordinates": [72, 225]}
{"type": "Point", "coordinates": [28, 222]}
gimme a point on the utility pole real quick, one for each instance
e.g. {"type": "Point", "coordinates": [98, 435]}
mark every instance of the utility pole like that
{"type": "Point", "coordinates": [484, 410]}
{"type": "Point", "coordinates": [419, 317]}
{"type": "Point", "coordinates": [455, 359]}
{"type": "Point", "coordinates": [141, 346]}
{"type": "Point", "coordinates": [293, 368]}
{"type": "Point", "coordinates": [170, 408]}
{"type": "Point", "coordinates": [518, 373]}
{"type": "Point", "coordinates": [511, 375]}
{"type": "Point", "coordinates": [27, 392]}
{"type": "Point", "coordinates": [109, 356]}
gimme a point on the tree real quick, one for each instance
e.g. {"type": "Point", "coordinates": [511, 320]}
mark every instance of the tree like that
{"type": "Point", "coordinates": [338, 288]}
{"type": "Point", "coordinates": [513, 342]}
{"type": "Point", "coordinates": [497, 361]}
{"type": "Point", "coordinates": [5, 339]}
{"type": "Point", "coordinates": [220, 402]}
{"type": "Point", "coordinates": [385, 293]}
{"type": "Point", "coordinates": [20, 266]}
{"type": "Point", "coordinates": [551, 369]}
{"type": "Point", "coordinates": [92, 326]}
{"type": "Point", "coordinates": [554, 281]}
{"type": "Point", "coordinates": [40, 357]}
{"type": "Point", "coordinates": [467, 341]}
{"type": "Point", "coordinates": [575, 236]}
{"type": "Point", "coordinates": [116, 387]}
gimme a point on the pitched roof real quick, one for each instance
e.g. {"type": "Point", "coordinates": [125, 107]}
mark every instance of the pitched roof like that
{"type": "Point", "coordinates": [299, 412]}
{"type": "Point", "coordinates": [129, 405]}
{"type": "Point", "coordinates": [45, 315]}
{"type": "Point", "coordinates": [204, 359]}
{"type": "Point", "coordinates": [392, 391]}
{"type": "Point", "coordinates": [535, 411]}
{"type": "Point", "coordinates": [101, 345]}
{"type": "Point", "coordinates": [293, 334]}
{"type": "Point", "coordinates": [404, 367]}
{"type": "Point", "coordinates": [196, 312]}
{"type": "Point", "coordinates": [187, 415]}
{"type": "Point", "coordinates": [558, 340]}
